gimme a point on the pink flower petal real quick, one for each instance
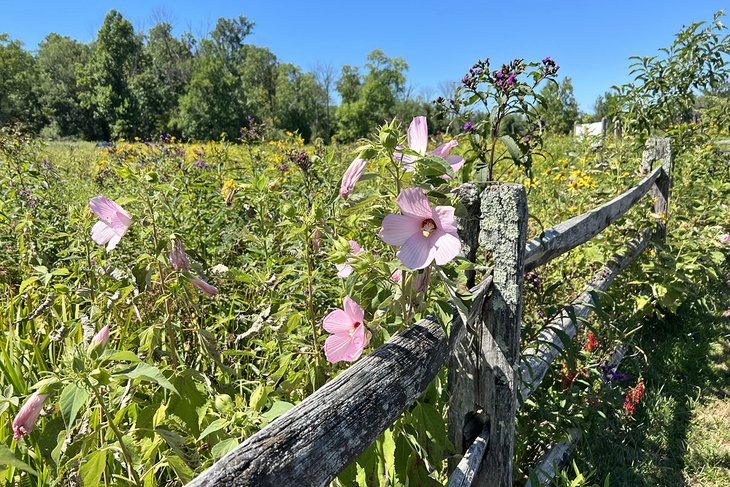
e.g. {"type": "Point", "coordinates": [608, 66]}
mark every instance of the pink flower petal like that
{"type": "Point", "coordinates": [444, 149]}
{"type": "Point", "coordinates": [344, 270]}
{"type": "Point", "coordinates": [413, 202]}
{"type": "Point", "coordinates": [396, 229]}
{"type": "Point", "coordinates": [353, 310]}
{"type": "Point", "coordinates": [28, 415]}
{"type": "Point", "coordinates": [416, 253]}
{"type": "Point", "coordinates": [203, 286]}
{"type": "Point", "coordinates": [110, 212]}
{"type": "Point", "coordinates": [446, 248]}
{"type": "Point", "coordinates": [444, 218]}
{"type": "Point", "coordinates": [338, 321]}
{"type": "Point", "coordinates": [418, 135]}
{"type": "Point", "coordinates": [455, 162]}
{"type": "Point", "coordinates": [113, 242]}
{"type": "Point", "coordinates": [359, 340]}
{"type": "Point", "coordinates": [354, 247]}
{"type": "Point", "coordinates": [101, 233]}
{"type": "Point", "coordinates": [336, 347]}
{"type": "Point", "coordinates": [351, 176]}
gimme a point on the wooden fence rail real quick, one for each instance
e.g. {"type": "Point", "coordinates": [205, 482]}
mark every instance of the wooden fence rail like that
{"type": "Point", "coordinates": [312, 442]}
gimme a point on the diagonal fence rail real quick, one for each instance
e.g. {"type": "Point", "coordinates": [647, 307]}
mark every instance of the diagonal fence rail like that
{"type": "Point", "coordinates": [311, 443]}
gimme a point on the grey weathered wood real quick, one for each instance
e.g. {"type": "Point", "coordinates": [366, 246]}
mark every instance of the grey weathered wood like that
{"type": "Point", "coordinates": [580, 229]}
{"type": "Point", "coordinates": [659, 150]}
{"type": "Point", "coordinates": [315, 440]}
{"type": "Point", "coordinates": [555, 457]}
{"type": "Point", "coordinates": [482, 368]}
{"type": "Point", "coordinates": [538, 357]}
{"type": "Point", "coordinates": [466, 471]}
{"type": "Point", "coordinates": [468, 226]}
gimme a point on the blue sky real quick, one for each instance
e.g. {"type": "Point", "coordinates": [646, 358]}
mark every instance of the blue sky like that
{"type": "Point", "coordinates": [590, 39]}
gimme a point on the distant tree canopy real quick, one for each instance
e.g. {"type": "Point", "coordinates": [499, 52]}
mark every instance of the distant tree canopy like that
{"type": "Point", "coordinates": [129, 84]}
{"type": "Point", "coordinates": [558, 109]}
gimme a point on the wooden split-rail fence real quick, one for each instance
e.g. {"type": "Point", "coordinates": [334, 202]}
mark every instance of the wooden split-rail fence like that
{"type": "Point", "coordinates": [488, 377]}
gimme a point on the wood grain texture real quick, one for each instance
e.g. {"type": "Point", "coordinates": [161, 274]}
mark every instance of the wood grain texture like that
{"type": "Point", "coordinates": [315, 440]}
{"type": "Point", "coordinates": [580, 229]}
{"type": "Point", "coordinates": [482, 368]}
{"type": "Point", "coordinates": [466, 471]}
{"type": "Point", "coordinates": [659, 151]}
{"type": "Point", "coordinates": [538, 357]}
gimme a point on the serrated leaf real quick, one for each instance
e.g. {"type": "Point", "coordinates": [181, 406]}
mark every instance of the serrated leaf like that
{"type": "Point", "coordinates": [93, 468]}
{"type": "Point", "coordinates": [148, 372]}
{"type": "Point", "coordinates": [72, 399]}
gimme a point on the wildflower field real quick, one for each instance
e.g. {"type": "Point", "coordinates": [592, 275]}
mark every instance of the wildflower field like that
{"type": "Point", "coordinates": [163, 301]}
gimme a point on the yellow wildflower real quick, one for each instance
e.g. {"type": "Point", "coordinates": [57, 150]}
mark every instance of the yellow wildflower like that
{"type": "Point", "coordinates": [228, 191]}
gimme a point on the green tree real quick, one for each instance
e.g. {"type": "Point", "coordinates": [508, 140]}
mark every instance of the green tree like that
{"type": "Point", "coordinates": [106, 78]}
{"type": "Point", "coordinates": [166, 73]}
{"type": "Point", "coordinates": [298, 106]}
{"type": "Point", "coordinates": [558, 107]}
{"type": "Point", "coordinates": [19, 96]}
{"type": "Point", "coordinates": [370, 100]}
{"type": "Point", "coordinates": [58, 60]}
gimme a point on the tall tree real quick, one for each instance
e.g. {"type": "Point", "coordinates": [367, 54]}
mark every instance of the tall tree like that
{"type": "Point", "coordinates": [19, 97]}
{"type": "Point", "coordinates": [558, 106]}
{"type": "Point", "coordinates": [371, 100]}
{"type": "Point", "coordinates": [164, 78]}
{"type": "Point", "coordinates": [106, 78]}
{"type": "Point", "coordinates": [59, 59]}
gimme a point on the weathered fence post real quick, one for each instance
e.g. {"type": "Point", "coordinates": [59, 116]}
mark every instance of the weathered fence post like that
{"type": "Point", "coordinates": [482, 375]}
{"type": "Point", "coordinates": [659, 150]}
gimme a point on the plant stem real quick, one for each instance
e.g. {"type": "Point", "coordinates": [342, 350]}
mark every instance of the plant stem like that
{"type": "Point", "coordinates": [117, 433]}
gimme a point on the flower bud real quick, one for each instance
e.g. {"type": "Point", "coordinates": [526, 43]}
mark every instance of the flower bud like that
{"type": "Point", "coordinates": [28, 415]}
{"type": "Point", "coordinates": [98, 343]}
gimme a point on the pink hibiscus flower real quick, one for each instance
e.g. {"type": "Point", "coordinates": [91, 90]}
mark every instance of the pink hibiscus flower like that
{"type": "Point", "coordinates": [114, 222]}
{"type": "Point", "coordinates": [351, 176]}
{"type": "Point", "coordinates": [724, 238]}
{"type": "Point", "coordinates": [28, 415]}
{"type": "Point", "coordinates": [344, 270]}
{"type": "Point", "coordinates": [424, 233]}
{"type": "Point", "coordinates": [418, 141]}
{"type": "Point", "coordinates": [349, 336]}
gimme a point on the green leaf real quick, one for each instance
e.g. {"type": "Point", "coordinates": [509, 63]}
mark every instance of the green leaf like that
{"type": "Point", "coordinates": [148, 372]}
{"type": "Point", "coordinates": [223, 447]}
{"type": "Point", "coordinates": [93, 468]}
{"type": "Point", "coordinates": [125, 355]}
{"type": "Point", "coordinates": [181, 469]}
{"type": "Point", "coordinates": [72, 399]}
{"type": "Point", "coordinates": [8, 458]}
{"type": "Point", "coordinates": [514, 151]}
{"type": "Point", "coordinates": [279, 408]}
{"type": "Point", "coordinates": [216, 425]}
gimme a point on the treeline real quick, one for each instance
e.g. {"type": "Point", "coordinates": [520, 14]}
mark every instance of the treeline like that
{"type": "Point", "coordinates": [128, 84]}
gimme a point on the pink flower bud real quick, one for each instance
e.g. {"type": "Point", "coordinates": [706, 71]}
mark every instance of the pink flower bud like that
{"type": "Point", "coordinates": [396, 276]}
{"type": "Point", "coordinates": [206, 288]}
{"type": "Point", "coordinates": [101, 339]}
{"type": "Point", "coordinates": [351, 176]}
{"type": "Point", "coordinates": [28, 415]}
{"type": "Point", "coordinates": [178, 258]}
